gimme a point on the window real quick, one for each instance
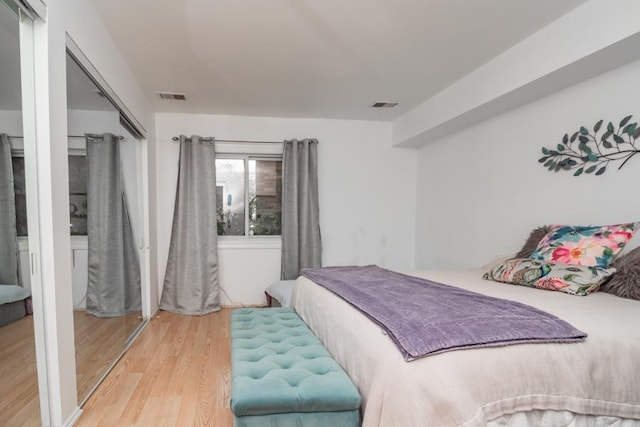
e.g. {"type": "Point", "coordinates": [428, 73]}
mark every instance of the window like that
{"type": "Point", "coordinates": [19, 188]}
{"type": "Point", "coordinates": [77, 194]}
{"type": "Point", "coordinates": [230, 199]}
{"type": "Point", "coordinates": [249, 195]}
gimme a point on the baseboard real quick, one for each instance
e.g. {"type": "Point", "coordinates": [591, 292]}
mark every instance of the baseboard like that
{"type": "Point", "coordinates": [243, 305]}
{"type": "Point", "coordinates": [73, 417]}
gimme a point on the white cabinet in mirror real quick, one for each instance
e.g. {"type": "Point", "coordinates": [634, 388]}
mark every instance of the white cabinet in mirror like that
{"type": "Point", "coordinates": [79, 251]}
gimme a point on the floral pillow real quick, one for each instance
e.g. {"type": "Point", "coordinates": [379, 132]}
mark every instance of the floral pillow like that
{"type": "Point", "coordinates": [594, 246]}
{"type": "Point", "coordinates": [570, 279]}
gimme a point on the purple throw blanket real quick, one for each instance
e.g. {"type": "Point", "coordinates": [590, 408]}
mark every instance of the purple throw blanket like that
{"type": "Point", "coordinates": [424, 317]}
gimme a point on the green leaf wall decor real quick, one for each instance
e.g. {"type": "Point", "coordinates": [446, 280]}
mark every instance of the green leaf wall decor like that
{"type": "Point", "coordinates": [592, 153]}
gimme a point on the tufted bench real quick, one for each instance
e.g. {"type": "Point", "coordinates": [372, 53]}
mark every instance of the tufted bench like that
{"type": "Point", "coordinates": [282, 376]}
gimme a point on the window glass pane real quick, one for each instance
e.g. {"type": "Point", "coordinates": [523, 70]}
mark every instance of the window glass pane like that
{"type": "Point", "coordinates": [230, 197]}
{"type": "Point", "coordinates": [21, 195]}
{"type": "Point", "coordinates": [78, 195]}
{"type": "Point", "coordinates": [265, 197]}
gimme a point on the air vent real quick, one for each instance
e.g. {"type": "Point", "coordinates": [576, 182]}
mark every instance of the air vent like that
{"type": "Point", "coordinates": [383, 104]}
{"type": "Point", "coordinates": [173, 95]}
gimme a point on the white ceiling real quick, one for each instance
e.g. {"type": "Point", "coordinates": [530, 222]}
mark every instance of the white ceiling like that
{"type": "Point", "coordinates": [10, 94]}
{"type": "Point", "coordinates": [305, 58]}
{"type": "Point", "coordinates": [82, 93]}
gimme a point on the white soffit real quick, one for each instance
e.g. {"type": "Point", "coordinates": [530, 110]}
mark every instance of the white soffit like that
{"type": "Point", "coordinates": [597, 37]}
{"type": "Point", "coordinates": [304, 58]}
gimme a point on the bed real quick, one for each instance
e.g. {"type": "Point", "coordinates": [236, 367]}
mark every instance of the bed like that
{"type": "Point", "coordinates": [15, 303]}
{"type": "Point", "coordinates": [575, 384]}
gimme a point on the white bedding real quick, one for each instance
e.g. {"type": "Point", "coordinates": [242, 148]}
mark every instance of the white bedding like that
{"type": "Point", "coordinates": [600, 376]}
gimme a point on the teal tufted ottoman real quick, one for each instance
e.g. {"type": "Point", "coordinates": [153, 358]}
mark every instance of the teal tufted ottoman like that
{"type": "Point", "coordinates": [282, 376]}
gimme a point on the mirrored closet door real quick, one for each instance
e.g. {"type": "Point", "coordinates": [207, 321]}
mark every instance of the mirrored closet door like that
{"type": "Point", "coordinates": [106, 226]}
{"type": "Point", "coordinates": [19, 402]}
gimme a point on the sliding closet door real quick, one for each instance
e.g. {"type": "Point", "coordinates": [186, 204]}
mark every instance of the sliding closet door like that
{"type": "Point", "coordinates": [106, 225]}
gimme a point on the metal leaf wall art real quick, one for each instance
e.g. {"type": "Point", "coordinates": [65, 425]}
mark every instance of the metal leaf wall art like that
{"type": "Point", "coordinates": [591, 151]}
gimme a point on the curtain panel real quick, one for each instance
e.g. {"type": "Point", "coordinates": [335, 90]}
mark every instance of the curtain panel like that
{"type": "Point", "coordinates": [114, 282]}
{"type": "Point", "coordinates": [8, 233]}
{"type": "Point", "coordinates": [191, 278]}
{"type": "Point", "coordinates": [301, 241]}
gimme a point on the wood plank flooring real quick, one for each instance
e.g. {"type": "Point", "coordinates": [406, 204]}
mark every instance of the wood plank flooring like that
{"type": "Point", "coordinates": [177, 373]}
{"type": "Point", "coordinates": [19, 403]}
{"type": "Point", "coordinates": [98, 342]}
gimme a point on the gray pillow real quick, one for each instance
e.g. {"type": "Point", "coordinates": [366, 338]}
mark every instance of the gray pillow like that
{"type": "Point", "coordinates": [625, 282]}
{"type": "Point", "coordinates": [532, 242]}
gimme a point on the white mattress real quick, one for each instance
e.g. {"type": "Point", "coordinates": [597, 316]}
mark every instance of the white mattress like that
{"type": "Point", "coordinates": [600, 376]}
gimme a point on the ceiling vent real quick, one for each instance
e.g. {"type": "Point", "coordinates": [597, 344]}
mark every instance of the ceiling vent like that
{"type": "Point", "coordinates": [383, 104]}
{"type": "Point", "coordinates": [173, 95]}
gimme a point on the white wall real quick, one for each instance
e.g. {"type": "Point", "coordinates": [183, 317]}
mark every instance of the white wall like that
{"type": "Point", "coordinates": [245, 272]}
{"type": "Point", "coordinates": [367, 194]}
{"type": "Point", "coordinates": [11, 122]}
{"type": "Point", "coordinates": [80, 122]}
{"type": "Point", "coordinates": [482, 190]}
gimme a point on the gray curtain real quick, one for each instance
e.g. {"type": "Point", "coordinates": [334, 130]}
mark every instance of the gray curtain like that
{"type": "Point", "coordinates": [8, 233]}
{"type": "Point", "coordinates": [301, 243]}
{"type": "Point", "coordinates": [114, 269]}
{"type": "Point", "coordinates": [191, 279]}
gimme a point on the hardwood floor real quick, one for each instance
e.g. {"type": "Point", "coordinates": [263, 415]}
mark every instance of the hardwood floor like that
{"type": "Point", "coordinates": [98, 342]}
{"type": "Point", "coordinates": [19, 405]}
{"type": "Point", "coordinates": [177, 373]}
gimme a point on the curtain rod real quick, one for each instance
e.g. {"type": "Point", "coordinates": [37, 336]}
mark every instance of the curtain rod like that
{"type": "Point", "coordinates": [90, 135]}
{"type": "Point", "coordinates": [94, 135]}
{"type": "Point", "coordinates": [177, 138]}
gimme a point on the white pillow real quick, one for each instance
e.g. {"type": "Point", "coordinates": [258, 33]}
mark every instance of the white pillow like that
{"type": "Point", "coordinates": [281, 291]}
{"type": "Point", "coordinates": [12, 293]}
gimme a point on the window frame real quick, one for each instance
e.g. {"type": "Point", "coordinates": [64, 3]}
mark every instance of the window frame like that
{"type": "Point", "coordinates": [17, 150]}
{"type": "Point", "coordinates": [247, 240]}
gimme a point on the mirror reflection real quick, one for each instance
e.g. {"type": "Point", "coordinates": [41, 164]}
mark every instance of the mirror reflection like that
{"type": "Point", "coordinates": [19, 403]}
{"type": "Point", "coordinates": [105, 226]}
